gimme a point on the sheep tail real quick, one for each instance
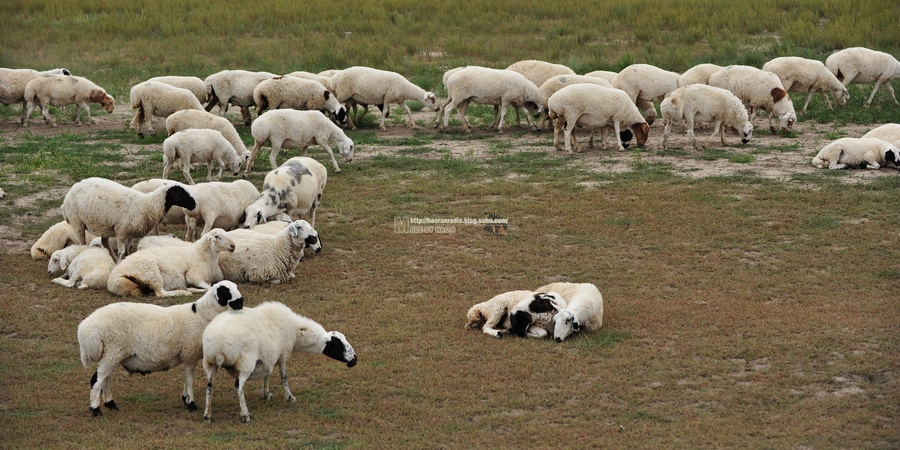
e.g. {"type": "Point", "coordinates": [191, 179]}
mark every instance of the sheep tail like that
{"type": "Point", "coordinates": [128, 285]}
{"type": "Point", "coordinates": [90, 349]}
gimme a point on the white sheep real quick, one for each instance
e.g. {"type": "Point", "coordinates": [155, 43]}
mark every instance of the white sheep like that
{"type": "Point", "coordinates": [89, 270]}
{"type": "Point", "coordinates": [292, 189]}
{"type": "Point", "coordinates": [492, 316]}
{"type": "Point", "coordinates": [60, 235]}
{"type": "Point", "coordinates": [758, 89]}
{"type": "Point", "coordinates": [234, 87]}
{"type": "Point", "coordinates": [270, 227]}
{"type": "Point", "coordinates": [64, 90]}
{"type": "Point", "coordinates": [288, 128]}
{"type": "Point", "coordinates": [163, 240]}
{"type": "Point", "coordinates": [13, 81]}
{"type": "Point", "coordinates": [584, 311]}
{"type": "Point", "coordinates": [147, 338]}
{"type": "Point", "coordinates": [269, 258]}
{"type": "Point", "coordinates": [250, 343]}
{"type": "Point", "coordinates": [534, 316]}
{"type": "Point", "coordinates": [154, 98]}
{"type": "Point", "coordinates": [537, 72]}
{"type": "Point", "coordinates": [368, 86]}
{"type": "Point", "coordinates": [808, 75]}
{"type": "Point", "coordinates": [605, 74]}
{"type": "Point", "coordinates": [175, 215]}
{"type": "Point", "coordinates": [558, 82]}
{"type": "Point", "coordinates": [698, 74]}
{"type": "Point", "coordinates": [865, 66]}
{"type": "Point", "coordinates": [109, 209]}
{"type": "Point", "coordinates": [701, 103]}
{"type": "Point", "coordinates": [219, 205]}
{"type": "Point", "coordinates": [646, 84]}
{"type": "Point", "coordinates": [473, 84]}
{"type": "Point", "coordinates": [297, 93]}
{"type": "Point", "coordinates": [324, 80]}
{"type": "Point", "coordinates": [60, 259]}
{"type": "Point", "coordinates": [201, 145]}
{"type": "Point", "coordinates": [328, 73]}
{"type": "Point", "coordinates": [193, 84]}
{"type": "Point", "coordinates": [872, 153]}
{"type": "Point", "coordinates": [190, 118]}
{"type": "Point", "coordinates": [595, 106]}
{"type": "Point", "coordinates": [888, 132]}
{"type": "Point", "coordinates": [172, 270]}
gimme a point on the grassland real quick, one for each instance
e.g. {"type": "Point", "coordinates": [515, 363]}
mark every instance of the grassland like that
{"type": "Point", "coordinates": [742, 310]}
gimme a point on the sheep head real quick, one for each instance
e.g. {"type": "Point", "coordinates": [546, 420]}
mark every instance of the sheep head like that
{"type": "Point", "coordinates": [641, 132]}
{"type": "Point", "coordinates": [430, 100]}
{"type": "Point", "coordinates": [253, 215]}
{"type": "Point", "coordinates": [746, 132]}
{"type": "Point", "coordinates": [337, 347]}
{"type": "Point", "coordinates": [219, 241]}
{"type": "Point", "coordinates": [303, 235]}
{"type": "Point", "coordinates": [179, 196]}
{"type": "Point", "coordinates": [566, 323]}
{"type": "Point", "coordinates": [841, 97]}
{"type": "Point", "coordinates": [345, 148]}
{"type": "Point", "coordinates": [891, 155]}
{"type": "Point", "coordinates": [105, 100]}
{"type": "Point", "coordinates": [226, 294]}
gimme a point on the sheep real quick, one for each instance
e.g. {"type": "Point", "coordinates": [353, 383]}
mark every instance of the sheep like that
{"type": "Point", "coordinates": [249, 343]}
{"type": "Point", "coordinates": [758, 89]}
{"type": "Point", "coordinates": [646, 84]}
{"type": "Point", "coordinates": [808, 75]}
{"type": "Point", "coordinates": [175, 215]}
{"type": "Point", "coordinates": [328, 73]}
{"type": "Point", "coordinates": [872, 153]}
{"type": "Point", "coordinates": [558, 82]}
{"type": "Point", "coordinates": [491, 87]}
{"type": "Point", "coordinates": [369, 86]}
{"type": "Point", "coordinates": [234, 87]}
{"type": "Point", "coordinates": [324, 80]}
{"type": "Point", "coordinates": [701, 103]}
{"type": "Point", "coordinates": [193, 84]}
{"type": "Point", "coordinates": [160, 241]}
{"type": "Point", "coordinates": [297, 93]}
{"type": "Point", "coordinates": [89, 270]}
{"type": "Point", "coordinates": [147, 338]}
{"type": "Point", "coordinates": [63, 90]}
{"type": "Point", "coordinates": [288, 128]}
{"type": "Point", "coordinates": [219, 205]}
{"type": "Point", "coordinates": [698, 74]}
{"type": "Point", "coordinates": [60, 235]}
{"type": "Point", "coordinates": [201, 145]}
{"type": "Point", "coordinates": [292, 189]}
{"type": "Point", "coordinates": [862, 65]}
{"type": "Point", "coordinates": [605, 74]}
{"type": "Point", "coordinates": [13, 81]}
{"type": "Point", "coordinates": [444, 78]}
{"type": "Point", "coordinates": [270, 227]}
{"type": "Point", "coordinates": [537, 72]}
{"type": "Point", "coordinates": [269, 258]}
{"type": "Point", "coordinates": [60, 259]}
{"type": "Point", "coordinates": [888, 132]}
{"type": "Point", "coordinates": [534, 316]}
{"type": "Point", "coordinates": [109, 209]}
{"type": "Point", "coordinates": [492, 316]}
{"type": "Point", "coordinates": [595, 106]}
{"type": "Point", "coordinates": [153, 98]}
{"type": "Point", "coordinates": [189, 118]}
{"type": "Point", "coordinates": [584, 311]}
{"type": "Point", "coordinates": [173, 270]}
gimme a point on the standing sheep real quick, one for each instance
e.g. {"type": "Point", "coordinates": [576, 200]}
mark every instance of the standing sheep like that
{"type": "Point", "coordinates": [292, 189]}
{"type": "Point", "coordinates": [758, 89]}
{"type": "Point", "coordinates": [190, 118]}
{"type": "Point", "coordinates": [249, 344]}
{"type": "Point", "coordinates": [486, 86]}
{"type": "Point", "coordinates": [219, 205]}
{"type": "Point", "coordinates": [325, 81]}
{"type": "Point", "coordinates": [584, 310]}
{"type": "Point", "coordinates": [147, 338]}
{"type": "Point", "coordinates": [198, 145]}
{"type": "Point", "coordinates": [64, 90]}
{"type": "Point", "coordinates": [808, 75]}
{"type": "Point", "coordinates": [297, 93]}
{"type": "Point", "coordinates": [870, 153]}
{"type": "Point", "coordinates": [701, 103]}
{"type": "Point", "coordinates": [865, 66]}
{"type": "Point", "coordinates": [595, 106]}
{"type": "Point", "coordinates": [193, 84]}
{"type": "Point", "coordinates": [368, 86]}
{"type": "Point", "coordinates": [698, 74]}
{"type": "Point", "coordinates": [269, 258]}
{"type": "Point", "coordinates": [646, 84]}
{"type": "Point", "coordinates": [234, 87]}
{"type": "Point", "coordinates": [153, 98]}
{"type": "Point", "coordinates": [288, 128]}
{"type": "Point", "coordinates": [13, 81]}
{"type": "Point", "coordinates": [537, 72]}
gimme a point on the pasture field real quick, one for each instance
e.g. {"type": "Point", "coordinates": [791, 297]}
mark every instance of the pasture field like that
{"type": "Point", "coordinates": [751, 300]}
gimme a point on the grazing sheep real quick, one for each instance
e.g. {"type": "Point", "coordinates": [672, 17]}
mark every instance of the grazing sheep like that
{"type": "Point", "coordinates": [153, 98]}
{"type": "Point", "coordinates": [201, 145]}
{"type": "Point", "coordinates": [289, 128]}
{"type": "Point", "coordinates": [175, 216]}
{"type": "Point", "coordinates": [328, 73]}
{"type": "Point", "coordinates": [190, 118]}
{"type": "Point", "coordinates": [646, 84]}
{"type": "Point", "coordinates": [558, 82]}
{"type": "Point", "coordinates": [871, 153]}
{"type": "Point", "coordinates": [537, 72]}
{"type": "Point", "coordinates": [13, 81]}
{"type": "Point", "coordinates": [172, 270]}
{"type": "Point", "coordinates": [234, 87]}
{"type": "Point", "coordinates": [64, 90]}
{"type": "Point", "coordinates": [147, 338]}
{"type": "Point", "coordinates": [269, 258]}
{"type": "Point", "coordinates": [89, 270]}
{"type": "Point", "coordinates": [492, 316]}
{"type": "Point", "coordinates": [595, 106]}
{"type": "Point", "coordinates": [486, 86]}
{"type": "Point", "coordinates": [250, 343]}
{"type": "Point", "coordinates": [888, 132]}
{"type": "Point", "coordinates": [60, 259]}
{"type": "Point", "coordinates": [292, 189]}
{"type": "Point", "coordinates": [758, 89]}
{"type": "Point", "coordinates": [584, 310]}
{"type": "Point", "coordinates": [534, 316]}
{"type": "Point", "coordinates": [698, 74]}
{"type": "Point", "coordinates": [219, 205]}
{"type": "Point", "coordinates": [701, 103]}
{"type": "Point", "coordinates": [297, 93]}
{"type": "Point", "coordinates": [57, 237]}
{"type": "Point", "coordinates": [193, 84]}
{"type": "Point", "coordinates": [808, 75]}
{"type": "Point", "coordinates": [323, 80]}
{"type": "Point", "coordinates": [368, 86]}
{"type": "Point", "coordinates": [109, 209]}
{"type": "Point", "coordinates": [865, 66]}
{"type": "Point", "coordinates": [605, 74]}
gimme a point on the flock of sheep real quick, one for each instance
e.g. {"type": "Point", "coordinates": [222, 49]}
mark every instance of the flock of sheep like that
{"type": "Point", "coordinates": [258, 236]}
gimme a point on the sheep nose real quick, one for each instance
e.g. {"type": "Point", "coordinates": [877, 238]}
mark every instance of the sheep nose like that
{"type": "Point", "coordinates": [744, 141]}
{"type": "Point", "coordinates": [558, 339]}
{"type": "Point", "coordinates": [352, 362]}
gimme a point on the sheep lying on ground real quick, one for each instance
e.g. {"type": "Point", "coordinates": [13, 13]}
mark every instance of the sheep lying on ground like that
{"type": "Point", "coordinates": [89, 270]}
{"type": "Point", "coordinates": [13, 81]}
{"type": "Point", "coordinates": [584, 310]}
{"type": "Point", "coordinates": [60, 259]}
{"type": "Point", "coordinates": [758, 89]}
{"type": "Point", "coordinates": [534, 316]}
{"type": "Point", "coordinates": [595, 106]}
{"type": "Point", "coordinates": [172, 270]}
{"type": "Point", "coordinates": [109, 209]}
{"type": "Point", "coordinates": [492, 316]}
{"type": "Point", "coordinates": [193, 84]}
{"type": "Point", "coordinates": [297, 93]}
{"type": "Point", "coordinates": [270, 227]}
{"type": "Point", "coordinates": [701, 103]}
{"type": "Point", "coordinates": [250, 343]}
{"type": "Point", "coordinates": [870, 153]}
{"type": "Point", "coordinates": [486, 86]}
{"type": "Point", "coordinates": [808, 75]}
{"type": "Point", "coordinates": [288, 128]}
{"type": "Point", "coordinates": [646, 84]}
{"type": "Point", "coordinates": [147, 338]}
{"type": "Point", "coordinates": [190, 118]}
{"type": "Point", "coordinates": [153, 98]}
{"type": "Point", "coordinates": [201, 145]}
{"type": "Point", "coordinates": [862, 65]}
{"type": "Point", "coordinates": [219, 205]}
{"type": "Point", "coordinates": [888, 132]}
{"type": "Point", "coordinates": [698, 74]}
{"type": "Point", "coordinates": [269, 258]}
{"type": "Point", "coordinates": [64, 90]}
{"type": "Point", "coordinates": [58, 236]}
{"type": "Point", "coordinates": [292, 189]}
{"type": "Point", "coordinates": [234, 87]}
{"type": "Point", "coordinates": [369, 86]}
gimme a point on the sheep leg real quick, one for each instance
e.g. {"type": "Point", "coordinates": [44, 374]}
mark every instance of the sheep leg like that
{"type": "Point", "coordinates": [26, 117]}
{"type": "Point", "coordinates": [276, 147]}
{"type": "Point", "coordinates": [384, 112]}
{"type": "Point", "coordinates": [874, 90]}
{"type": "Point", "coordinates": [494, 319]}
{"type": "Point", "coordinates": [186, 170]}
{"type": "Point", "coordinates": [245, 114]}
{"type": "Point", "coordinates": [556, 127]}
{"type": "Point", "coordinates": [440, 114]}
{"type": "Point", "coordinates": [887, 85]}
{"type": "Point", "coordinates": [245, 413]}
{"type": "Point", "coordinates": [210, 373]}
{"type": "Point", "coordinates": [503, 107]}
{"type": "Point", "coordinates": [45, 111]}
{"type": "Point", "coordinates": [87, 111]}
{"type": "Point", "coordinates": [809, 97]}
{"type": "Point", "coordinates": [409, 116]}
{"type": "Point", "coordinates": [288, 396]}
{"type": "Point", "coordinates": [64, 282]}
{"type": "Point", "coordinates": [100, 387]}
{"type": "Point", "coordinates": [536, 332]}
{"type": "Point", "coordinates": [324, 144]}
{"type": "Point", "coordinates": [209, 169]}
{"type": "Point", "coordinates": [266, 393]}
{"type": "Point", "coordinates": [187, 395]}
{"type": "Point", "coordinates": [603, 131]}
{"type": "Point", "coordinates": [534, 126]}
{"type": "Point", "coordinates": [666, 129]}
{"type": "Point", "coordinates": [257, 145]}
{"type": "Point", "coordinates": [347, 106]}
{"type": "Point", "coordinates": [619, 136]}
{"type": "Point", "coordinates": [718, 129]}
{"type": "Point", "coordinates": [570, 126]}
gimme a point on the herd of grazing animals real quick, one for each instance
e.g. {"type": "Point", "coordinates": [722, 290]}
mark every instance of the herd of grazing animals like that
{"type": "Point", "coordinates": [252, 235]}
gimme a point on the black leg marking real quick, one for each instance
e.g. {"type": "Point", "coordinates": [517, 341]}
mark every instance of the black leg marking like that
{"type": "Point", "coordinates": [96, 412]}
{"type": "Point", "coordinates": [111, 405]}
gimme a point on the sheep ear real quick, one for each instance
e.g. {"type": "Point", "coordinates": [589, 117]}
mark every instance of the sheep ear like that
{"type": "Point", "coordinates": [223, 295]}
{"type": "Point", "coordinates": [194, 308]}
{"type": "Point", "coordinates": [295, 231]}
{"type": "Point", "coordinates": [778, 94]}
{"type": "Point", "coordinates": [327, 94]}
{"type": "Point", "coordinates": [575, 325]}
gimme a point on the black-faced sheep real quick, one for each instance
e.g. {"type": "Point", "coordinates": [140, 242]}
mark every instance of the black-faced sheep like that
{"type": "Point", "coordinates": [592, 105]}
{"type": "Point", "coordinates": [534, 316]}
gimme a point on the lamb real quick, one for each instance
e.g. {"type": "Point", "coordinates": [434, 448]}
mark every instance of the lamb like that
{"type": "Point", "coordinates": [292, 189]}
{"type": "Point", "coordinates": [153, 98]}
{"type": "Point", "coordinates": [269, 258]}
{"type": "Point", "coordinates": [698, 74]}
{"type": "Point", "coordinates": [89, 270]}
{"type": "Point", "coordinates": [534, 316]}
{"type": "Point", "coordinates": [249, 344]}
{"type": "Point", "coordinates": [57, 237]}
{"type": "Point", "coordinates": [189, 118]}
{"type": "Point", "coordinates": [646, 84]}
{"type": "Point", "coordinates": [297, 93]}
{"type": "Point", "coordinates": [324, 80]}
{"type": "Point", "coordinates": [888, 132]}
{"type": "Point", "coordinates": [595, 106]}
{"type": "Point", "coordinates": [63, 90]}
{"type": "Point", "coordinates": [491, 87]}
{"type": "Point", "coordinates": [368, 86]}
{"type": "Point", "coordinates": [492, 316]}
{"type": "Point", "coordinates": [854, 152]}
{"type": "Point", "coordinates": [201, 145]}
{"type": "Point", "coordinates": [758, 89]}
{"type": "Point", "coordinates": [172, 270]}
{"type": "Point", "coordinates": [862, 65]}
{"type": "Point", "coordinates": [219, 205]}
{"type": "Point", "coordinates": [147, 338]}
{"type": "Point", "coordinates": [60, 259]}
{"type": "Point", "coordinates": [289, 128]}
{"type": "Point", "coordinates": [13, 81]}
{"type": "Point", "coordinates": [193, 84]}
{"type": "Point", "coordinates": [584, 310]}
{"type": "Point", "coordinates": [701, 103]}
{"type": "Point", "coordinates": [234, 87]}
{"type": "Point", "coordinates": [109, 209]}
{"type": "Point", "coordinates": [808, 75]}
